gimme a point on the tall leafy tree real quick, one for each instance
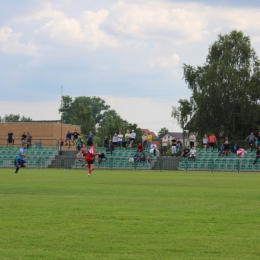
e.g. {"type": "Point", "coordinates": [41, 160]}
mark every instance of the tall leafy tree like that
{"type": "Point", "coordinates": [163, 131]}
{"type": "Point", "coordinates": [225, 90]}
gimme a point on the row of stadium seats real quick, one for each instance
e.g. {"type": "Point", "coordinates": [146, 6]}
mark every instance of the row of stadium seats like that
{"type": "Point", "coordinates": [30, 152]}
{"type": "Point", "coordinates": [30, 148]}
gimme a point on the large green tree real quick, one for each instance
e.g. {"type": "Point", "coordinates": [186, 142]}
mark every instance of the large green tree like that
{"type": "Point", "coordinates": [163, 131]}
{"type": "Point", "coordinates": [16, 118]}
{"type": "Point", "coordinates": [225, 90]}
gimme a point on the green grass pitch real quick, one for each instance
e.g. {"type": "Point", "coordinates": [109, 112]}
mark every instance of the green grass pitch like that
{"type": "Point", "coordinates": [63, 214]}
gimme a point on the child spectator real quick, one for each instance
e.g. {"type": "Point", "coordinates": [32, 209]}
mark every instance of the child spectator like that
{"type": "Point", "coordinates": [193, 153]}
{"type": "Point", "coordinates": [221, 150]}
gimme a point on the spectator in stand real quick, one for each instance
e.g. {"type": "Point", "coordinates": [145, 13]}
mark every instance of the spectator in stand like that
{"type": "Point", "coordinates": [221, 150]}
{"type": "Point", "coordinates": [61, 145]}
{"type": "Point", "coordinates": [139, 147]}
{"type": "Point", "coordinates": [114, 140]}
{"type": "Point", "coordinates": [75, 137]}
{"type": "Point", "coordinates": [29, 140]}
{"type": "Point", "coordinates": [178, 146]}
{"type": "Point", "coordinates": [80, 156]}
{"type": "Point", "coordinates": [132, 138]}
{"type": "Point", "coordinates": [144, 139]}
{"type": "Point", "coordinates": [174, 144]}
{"type": "Point", "coordinates": [257, 156]}
{"type": "Point", "coordinates": [212, 141]}
{"type": "Point", "coordinates": [136, 157]}
{"type": "Point", "coordinates": [84, 149]}
{"type": "Point", "coordinates": [119, 140]}
{"type": "Point", "coordinates": [68, 138]}
{"type": "Point", "coordinates": [235, 148]}
{"type": "Point", "coordinates": [23, 138]}
{"type": "Point", "coordinates": [258, 140]}
{"type": "Point", "coordinates": [193, 153]}
{"type": "Point", "coordinates": [142, 157]}
{"type": "Point", "coordinates": [80, 142]}
{"type": "Point", "coordinates": [110, 147]}
{"type": "Point", "coordinates": [10, 137]}
{"type": "Point", "coordinates": [205, 141]}
{"type": "Point", "coordinates": [101, 158]}
{"type": "Point", "coordinates": [251, 139]}
{"type": "Point", "coordinates": [186, 152]}
{"type": "Point", "coordinates": [106, 141]}
{"type": "Point", "coordinates": [153, 148]}
{"type": "Point", "coordinates": [127, 137]}
{"type": "Point", "coordinates": [192, 139]}
{"type": "Point", "coordinates": [149, 140]}
{"type": "Point", "coordinates": [149, 157]}
{"type": "Point", "coordinates": [90, 139]}
{"type": "Point", "coordinates": [226, 145]}
{"type": "Point", "coordinates": [164, 146]}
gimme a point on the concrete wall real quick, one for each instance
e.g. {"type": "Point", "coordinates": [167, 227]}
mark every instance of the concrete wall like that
{"type": "Point", "coordinates": [46, 133]}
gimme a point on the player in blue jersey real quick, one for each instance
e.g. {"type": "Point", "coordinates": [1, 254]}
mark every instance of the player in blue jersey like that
{"type": "Point", "coordinates": [21, 158]}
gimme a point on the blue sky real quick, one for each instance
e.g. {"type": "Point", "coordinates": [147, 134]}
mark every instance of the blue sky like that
{"type": "Point", "coordinates": [130, 53]}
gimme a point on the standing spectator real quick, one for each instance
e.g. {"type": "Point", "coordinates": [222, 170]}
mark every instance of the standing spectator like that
{"type": "Point", "coordinates": [132, 138]}
{"type": "Point", "coordinates": [90, 139]}
{"type": "Point", "coordinates": [106, 141]}
{"type": "Point", "coordinates": [61, 145]}
{"type": "Point", "coordinates": [251, 139]}
{"type": "Point", "coordinates": [192, 139]}
{"type": "Point", "coordinates": [174, 143]}
{"type": "Point", "coordinates": [164, 146]}
{"type": "Point", "coordinates": [110, 147]}
{"type": "Point", "coordinates": [29, 140]}
{"type": "Point", "coordinates": [144, 139]}
{"type": "Point", "coordinates": [119, 140]}
{"type": "Point", "coordinates": [193, 153]}
{"type": "Point", "coordinates": [258, 140]}
{"type": "Point", "coordinates": [68, 138]}
{"type": "Point", "coordinates": [257, 156]}
{"type": "Point", "coordinates": [226, 145]}
{"type": "Point", "coordinates": [186, 152]}
{"type": "Point", "coordinates": [178, 146]}
{"type": "Point", "coordinates": [205, 141]}
{"type": "Point", "coordinates": [127, 137]}
{"type": "Point", "coordinates": [149, 139]}
{"type": "Point", "coordinates": [10, 137]}
{"type": "Point", "coordinates": [114, 140]}
{"type": "Point", "coordinates": [153, 148]}
{"type": "Point", "coordinates": [23, 137]}
{"type": "Point", "coordinates": [212, 141]}
{"type": "Point", "coordinates": [75, 137]}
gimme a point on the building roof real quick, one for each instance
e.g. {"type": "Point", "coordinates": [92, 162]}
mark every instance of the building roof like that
{"type": "Point", "coordinates": [175, 134]}
{"type": "Point", "coordinates": [147, 131]}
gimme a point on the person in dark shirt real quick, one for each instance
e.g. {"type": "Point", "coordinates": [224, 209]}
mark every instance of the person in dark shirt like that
{"type": "Point", "coordinates": [10, 137]}
{"type": "Point", "coordinates": [174, 144]}
{"type": "Point", "coordinates": [68, 138]}
{"type": "Point", "coordinates": [136, 157]}
{"type": "Point", "coordinates": [90, 139]}
{"type": "Point", "coordinates": [23, 137]}
{"type": "Point", "coordinates": [75, 137]}
{"type": "Point", "coordinates": [110, 147]}
{"type": "Point", "coordinates": [101, 158]}
{"type": "Point", "coordinates": [185, 152]}
{"type": "Point", "coordinates": [257, 156]}
{"type": "Point", "coordinates": [106, 141]}
{"type": "Point", "coordinates": [235, 148]}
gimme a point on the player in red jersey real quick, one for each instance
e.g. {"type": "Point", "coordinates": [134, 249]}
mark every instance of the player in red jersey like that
{"type": "Point", "coordinates": [90, 158]}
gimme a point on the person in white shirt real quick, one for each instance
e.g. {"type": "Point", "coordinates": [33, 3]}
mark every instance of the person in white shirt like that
{"type": "Point", "coordinates": [193, 153]}
{"type": "Point", "coordinates": [153, 148]}
{"type": "Point", "coordinates": [132, 138]}
{"type": "Point", "coordinates": [192, 139]}
{"type": "Point", "coordinates": [119, 140]}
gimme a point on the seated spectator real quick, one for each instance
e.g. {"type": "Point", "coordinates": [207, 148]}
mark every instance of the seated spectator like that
{"type": "Point", "coordinates": [149, 157]}
{"type": "Point", "coordinates": [136, 157]}
{"type": "Point", "coordinates": [235, 148]}
{"type": "Point", "coordinates": [79, 142]}
{"type": "Point", "coordinates": [226, 145]}
{"type": "Point", "coordinates": [140, 147]}
{"type": "Point", "coordinates": [142, 157]}
{"type": "Point", "coordinates": [193, 153]}
{"type": "Point", "coordinates": [221, 150]}
{"type": "Point", "coordinates": [153, 148]}
{"type": "Point", "coordinates": [110, 147]}
{"type": "Point", "coordinates": [101, 158]}
{"type": "Point", "coordinates": [61, 145]}
{"type": "Point", "coordinates": [186, 152]}
{"type": "Point", "coordinates": [79, 156]}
